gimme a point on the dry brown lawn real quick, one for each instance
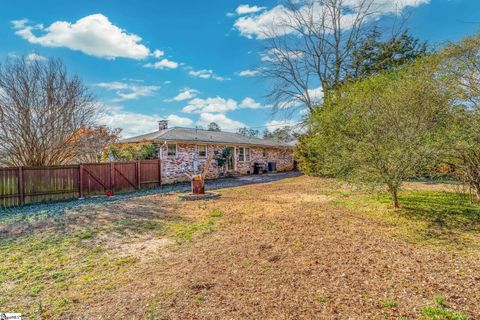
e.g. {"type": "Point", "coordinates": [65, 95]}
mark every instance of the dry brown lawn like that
{"type": "Point", "coordinates": [283, 251]}
{"type": "Point", "coordinates": [301, 248]}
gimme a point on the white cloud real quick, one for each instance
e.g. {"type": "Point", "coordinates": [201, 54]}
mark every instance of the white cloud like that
{"type": "Point", "coordinates": [304, 112]}
{"type": "Point", "coordinates": [316, 94]}
{"type": "Point", "coordinates": [158, 53]}
{"type": "Point", "coordinates": [220, 105]}
{"type": "Point", "coordinates": [162, 64]}
{"type": "Point", "coordinates": [210, 105]}
{"type": "Point", "coordinates": [18, 24]}
{"type": "Point", "coordinates": [280, 55]}
{"type": "Point", "coordinates": [249, 103]}
{"type": "Point", "coordinates": [177, 121]}
{"type": "Point", "coordinates": [387, 6]}
{"type": "Point", "coordinates": [284, 105]}
{"type": "Point", "coordinates": [261, 25]}
{"type": "Point", "coordinates": [246, 9]}
{"type": "Point", "coordinates": [128, 91]}
{"type": "Point", "coordinates": [248, 73]}
{"type": "Point", "coordinates": [272, 22]}
{"type": "Point", "coordinates": [35, 57]}
{"type": "Point", "coordinates": [276, 124]}
{"type": "Point", "coordinates": [206, 74]}
{"type": "Point", "coordinates": [186, 94]}
{"type": "Point", "coordinates": [115, 85]}
{"type": "Point", "coordinates": [134, 124]}
{"type": "Point", "coordinates": [93, 35]}
{"type": "Point", "coordinates": [223, 121]}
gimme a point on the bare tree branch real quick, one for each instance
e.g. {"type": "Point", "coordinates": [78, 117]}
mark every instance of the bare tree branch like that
{"type": "Point", "coordinates": [42, 109]}
{"type": "Point", "coordinates": [311, 44]}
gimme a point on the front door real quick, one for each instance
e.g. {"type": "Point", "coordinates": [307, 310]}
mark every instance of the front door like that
{"type": "Point", "coordinates": [230, 159]}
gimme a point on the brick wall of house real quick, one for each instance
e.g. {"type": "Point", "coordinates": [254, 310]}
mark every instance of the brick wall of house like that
{"type": "Point", "coordinates": [282, 157]}
{"type": "Point", "coordinates": [173, 167]}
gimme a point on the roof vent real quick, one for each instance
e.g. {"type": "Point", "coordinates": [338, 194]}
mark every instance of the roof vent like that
{"type": "Point", "coordinates": [162, 124]}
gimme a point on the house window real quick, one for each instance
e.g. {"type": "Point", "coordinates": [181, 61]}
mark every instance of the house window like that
{"type": "Point", "coordinates": [243, 154]}
{"type": "Point", "coordinates": [202, 151]}
{"type": "Point", "coordinates": [172, 150]}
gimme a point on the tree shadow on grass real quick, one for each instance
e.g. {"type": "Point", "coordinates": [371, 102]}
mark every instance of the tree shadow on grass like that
{"type": "Point", "coordinates": [448, 215]}
{"type": "Point", "coordinates": [134, 215]}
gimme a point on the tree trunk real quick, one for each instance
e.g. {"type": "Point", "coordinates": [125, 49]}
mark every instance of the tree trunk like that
{"type": "Point", "coordinates": [198, 186]}
{"type": "Point", "coordinates": [476, 189]}
{"type": "Point", "coordinates": [393, 193]}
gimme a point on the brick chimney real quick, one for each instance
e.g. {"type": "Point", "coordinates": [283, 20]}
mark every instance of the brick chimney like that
{"type": "Point", "coordinates": [162, 124]}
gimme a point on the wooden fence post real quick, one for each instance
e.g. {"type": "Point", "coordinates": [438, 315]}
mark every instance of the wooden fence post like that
{"type": "Point", "coordinates": [112, 176]}
{"type": "Point", "coordinates": [159, 172]}
{"type": "Point", "coordinates": [139, 184]}
{"type": "Point", "coordinates": [21, 194]}
{"type": "Point", "coordinates": [80, 180]}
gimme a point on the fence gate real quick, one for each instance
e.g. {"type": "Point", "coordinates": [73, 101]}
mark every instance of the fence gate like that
{"type": "Point", "coordinates": [125, 177]}
{"type": "Point", "coordinates": [95, 178]}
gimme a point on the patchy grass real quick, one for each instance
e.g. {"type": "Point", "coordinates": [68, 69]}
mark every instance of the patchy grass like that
{"type": "Point", "coordinates": [51, 263]}
{"type": "Point", "coordinates": [433, 217]}
{"type": "Point", "coordinates": [322, 299]}
{"type": "Point", "coordinates": [440, 312]}
{"type": "Point", "coordinates": [37, 270]}
{"type": "Point", "coordinates": [199, 297]}
{"type": "Point", "coordinates": [389, 304]}
{"type": "Point", "coordinates": [216, 214]}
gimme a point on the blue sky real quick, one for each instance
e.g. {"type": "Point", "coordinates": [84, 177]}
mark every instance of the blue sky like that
{"type": "Point", "coordinates": [187, 61]}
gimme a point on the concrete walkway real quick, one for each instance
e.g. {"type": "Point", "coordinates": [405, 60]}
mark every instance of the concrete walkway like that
{"type": "Point", "coordinates": [251, 179]}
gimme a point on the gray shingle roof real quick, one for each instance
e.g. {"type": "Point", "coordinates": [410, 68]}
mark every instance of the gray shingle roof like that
{"type": "Point", "coordinates": [179, 134]}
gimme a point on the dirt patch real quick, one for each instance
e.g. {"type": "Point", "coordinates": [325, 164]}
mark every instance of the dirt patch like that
{"type": "Point", "coordinates": [142, 249]}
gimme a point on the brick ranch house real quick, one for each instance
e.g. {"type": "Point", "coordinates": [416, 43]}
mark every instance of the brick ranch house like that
{"type": "Point", "coordinates": [178, 147]}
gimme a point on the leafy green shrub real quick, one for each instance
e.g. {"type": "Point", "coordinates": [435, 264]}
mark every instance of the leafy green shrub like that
{"type": "Point", "coordinates": [132, 151]}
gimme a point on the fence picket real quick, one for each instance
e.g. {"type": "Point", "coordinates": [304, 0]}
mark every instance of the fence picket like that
{"type": "Point", "coordinates": [21, 195]}
{"type": "Point", "coordinates": [27, 185]}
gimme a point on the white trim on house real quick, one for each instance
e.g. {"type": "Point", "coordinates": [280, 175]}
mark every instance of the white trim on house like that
{"type": "Point", "coordinates": [198, 152]}
{"type": "Point", "coordinates": [176, 150]}
{"type": "Point", "coordinates": [235, 158]}
{"type": "Point", "coordinates": [244, 154]}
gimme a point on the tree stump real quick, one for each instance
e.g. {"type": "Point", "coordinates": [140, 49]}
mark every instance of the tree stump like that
{"type": "Point", "coordinates": [198, 186]}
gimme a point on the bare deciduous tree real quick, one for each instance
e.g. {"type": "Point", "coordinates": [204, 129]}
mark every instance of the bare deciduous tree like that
{"type": "Point", "coordinates": [311, 43]}
{"type": "Point", "coordinates": [42, 108]}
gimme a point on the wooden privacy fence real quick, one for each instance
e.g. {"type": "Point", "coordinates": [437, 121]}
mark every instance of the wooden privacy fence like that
{"type": "Point", "coordinates": [26, 185]}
